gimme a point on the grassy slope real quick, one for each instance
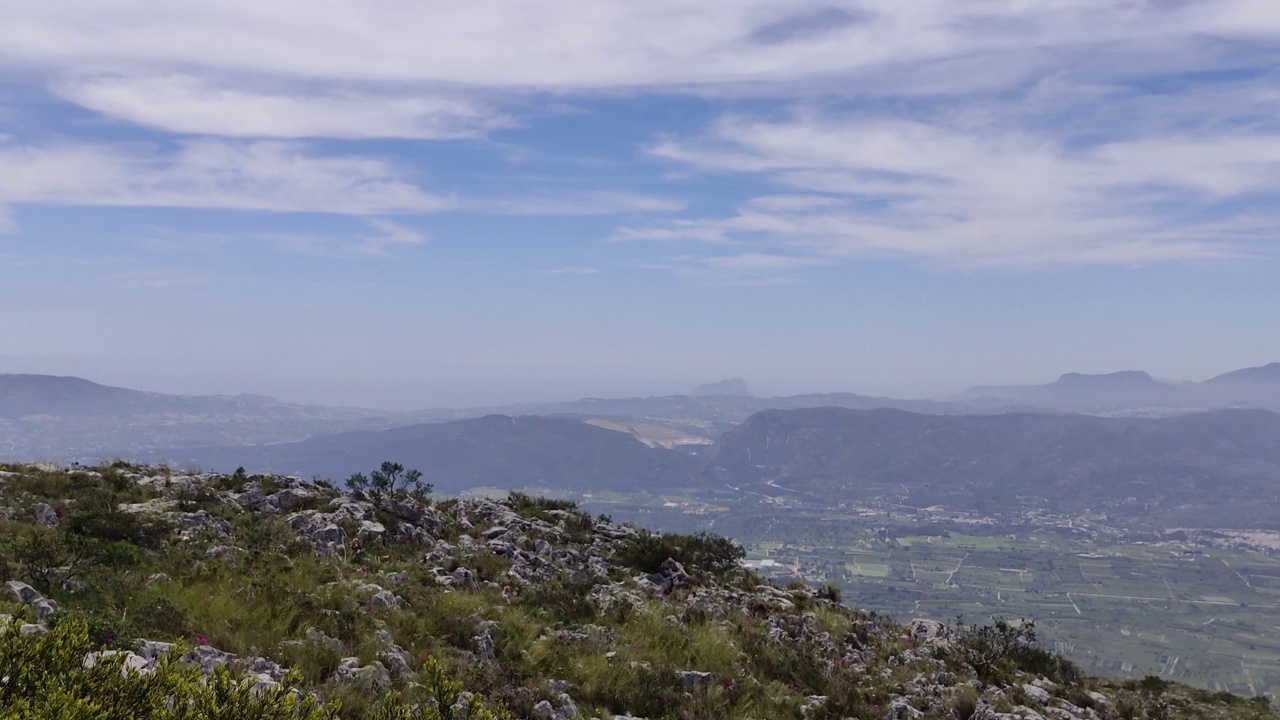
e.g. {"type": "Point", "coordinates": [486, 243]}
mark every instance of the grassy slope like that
{"type": "Point", "coordinates": [615, 648]}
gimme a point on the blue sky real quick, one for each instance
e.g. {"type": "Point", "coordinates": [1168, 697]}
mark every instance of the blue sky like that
{"type": "Point", "coordinates": [425, 203]}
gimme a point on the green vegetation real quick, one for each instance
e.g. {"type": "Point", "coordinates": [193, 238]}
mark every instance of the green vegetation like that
{"type": "Point", "coordinates": [402, 609]}
{"type": "Point", "coordinates": [48, 678]}
{"type": "Point", "coordinates": [390, 480]}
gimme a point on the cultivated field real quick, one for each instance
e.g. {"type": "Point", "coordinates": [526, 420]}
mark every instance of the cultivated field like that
{"type": "Point", "coordinates": [1207, 616]}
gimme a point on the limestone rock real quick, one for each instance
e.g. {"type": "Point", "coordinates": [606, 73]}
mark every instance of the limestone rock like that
{"type": "Point", "coordinates": [44, 515]}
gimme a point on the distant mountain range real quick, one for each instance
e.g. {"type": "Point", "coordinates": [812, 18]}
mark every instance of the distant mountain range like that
{"type": "Point", "coordinates": [1134, 392]}
{"type": "Point", "coordinates": [1125, 443]}
{"type": "Point", "coordinates": [1211, 469]}
{"type": "Point", "coordinates": [44, 417]}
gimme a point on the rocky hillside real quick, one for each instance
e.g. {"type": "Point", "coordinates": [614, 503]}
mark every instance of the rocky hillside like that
{"type": "Point", "coordinates": [141, 593]}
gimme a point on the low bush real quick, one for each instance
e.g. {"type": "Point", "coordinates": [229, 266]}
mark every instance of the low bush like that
{"type": "Point", "coordinates": [699, 553]}
{"type": "Point", "coordinates": [47, 678]}
{"type": "Point", "coordinates": [529, 506]}
{"type": "Point", "coordinates": [997, 651]}
{"type": "Point", "coordinates": [117, 526]}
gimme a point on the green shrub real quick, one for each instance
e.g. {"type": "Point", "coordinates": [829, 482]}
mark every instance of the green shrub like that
{"type": "Point", "coordinates": [46, 678]}
{"type": "Point", "coordinates": [44, 557]}
{"type": "Point", "coordinates": [528, 506]}
{"type": "Point", "coordinates": [700, 553]}
{"type": "Point", "coordinates": [390, 480]}
{"type": "Point", "coordinates": [831, 592]}
{"type": "Point", "coordinates": [117, 526]}
{"type": "Point", "coordinates": [998, 650]}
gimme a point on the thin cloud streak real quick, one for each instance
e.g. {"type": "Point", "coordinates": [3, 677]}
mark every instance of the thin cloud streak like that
{"type": "Point", "coordinates": [8, 226]}
{"type": "Point", "coordinates": [196, 106]}
{"type": "Point", "coordinates": [386, 237]}
{"type": "Point", "coordinates": [985, 193]}
{"type": "Point", "coordinates": [275, 176]}
{"type": "Point", "coordinates": [270, 176]}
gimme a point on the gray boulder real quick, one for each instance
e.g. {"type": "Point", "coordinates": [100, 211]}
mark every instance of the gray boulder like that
{"type": "Point", "coordinates": [373, 679]}
{"type": "Point", "coordinates": [206, 657]}
{"type": "Point", "coordinates": [24, 592]}
{"type": "Point", "coordinates": [1037, 694]}
{"type": "Point", "coordinates": [44, 515]}
{"type": "Point", "coordinates": [694, 679]}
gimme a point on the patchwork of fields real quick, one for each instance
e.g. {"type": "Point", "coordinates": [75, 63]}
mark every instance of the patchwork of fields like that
{"type": "Point", "coordinates": [1207, 616]}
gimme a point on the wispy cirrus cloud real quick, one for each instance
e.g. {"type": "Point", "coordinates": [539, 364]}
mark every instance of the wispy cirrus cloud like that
{"type": "Point", "coordinates": [198, 106]}
{"type": "Point", "coordinates": [978, 190]}
{"type": "Point", "coordinates": [159, 279]}
{"type": "Point", "coordinates": [574, 202]}
{"type": "Point", "coordinates": [603, 45]}
{"type": "Point", "coordinates": [743, 269]}
{"type": "Point", "coordinates": [384, 237]}
{"type": "Point", "coordinates": [274, 176]}
{"type": "Point", "coordinates": [436, 70]}
{"type": "Point", "coordinates": [268, 175]}
{"type": "Point", "coordinates": [979, 134]}
{"type": "Point", "coordinates": [7, 224]}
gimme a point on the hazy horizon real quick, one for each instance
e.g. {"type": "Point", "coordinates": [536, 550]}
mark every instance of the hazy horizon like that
{"type": "Point", "coordinates": [428, 393]}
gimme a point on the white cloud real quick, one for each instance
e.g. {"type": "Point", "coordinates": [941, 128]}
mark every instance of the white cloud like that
{"type": "Point", "coordinates": [158, 279]}
{"type": "Point", "coordinates": [190, 105]}
{"type": "Point", "coordinates": [274, 176]}
{"type": "Point", "coordinates": [386, 236]}
{"type": "Point", "coordinates": [987, 192]}
{"type": "Point", "coordinates": [675, 231]}
{"type": "Point", "coordinates": [586, 44]}
{"type": "Point", "coordinates": [435, 69]}
{"type": "Point", "coordinates": [390, 235]}
{"type": "Point", "coordinates": [1016, 137]}
{"type": "Point", "coordinates": [575, 203]}
{"type": "Point", "coordinates": [751, 268]}
{"type": "Point", "coordinates": [7, 224]}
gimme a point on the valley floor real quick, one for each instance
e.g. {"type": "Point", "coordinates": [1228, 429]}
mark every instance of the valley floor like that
{"type": "Point", "coordinates": [1205, 612]}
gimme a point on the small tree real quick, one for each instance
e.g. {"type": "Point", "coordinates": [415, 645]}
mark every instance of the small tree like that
{"type": "Point", "coordinates": [390, 480]}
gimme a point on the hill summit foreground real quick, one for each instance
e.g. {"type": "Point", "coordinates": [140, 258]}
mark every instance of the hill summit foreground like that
{"type": "Point", "coordinates": [137, 592]}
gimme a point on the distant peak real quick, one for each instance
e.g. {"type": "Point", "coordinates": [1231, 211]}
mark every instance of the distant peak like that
{"type": "Point", "coordinates": [1124, 376]}
{"type": "Point", "coordinates": [1271, 371]}
{"type": "Point", "coordinates": [736, 386]}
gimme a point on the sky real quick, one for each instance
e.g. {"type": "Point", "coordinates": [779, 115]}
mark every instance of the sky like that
{"type": "Point", "coordinates": [414, 203]}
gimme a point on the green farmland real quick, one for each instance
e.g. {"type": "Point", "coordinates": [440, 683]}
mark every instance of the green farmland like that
{"type": "Point", "coordinates": [1206, 616]}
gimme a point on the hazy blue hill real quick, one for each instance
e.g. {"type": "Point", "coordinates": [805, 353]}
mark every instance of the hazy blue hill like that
{"type": "Point", "coordinates": [497, 450]}
{"type": "Point", "coordinates": [1217, 468]}
{"type": "Point", "coordinates": [720, 412]}
{"type": "Point", "coordinates": [1257, 387]}
{"type": "Point", "coordinates": [1266, 373]}
{"type": "Point", "coordinates": [1079, 392]}
{"type": "Point", "coordinates": [22, 395]}
{"type": "Point", "coordinates": [45, 417]}
{"type": "Point", "coordinates": [736, 387]}
{"type": "Point", "coordinates": [51, 395]}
